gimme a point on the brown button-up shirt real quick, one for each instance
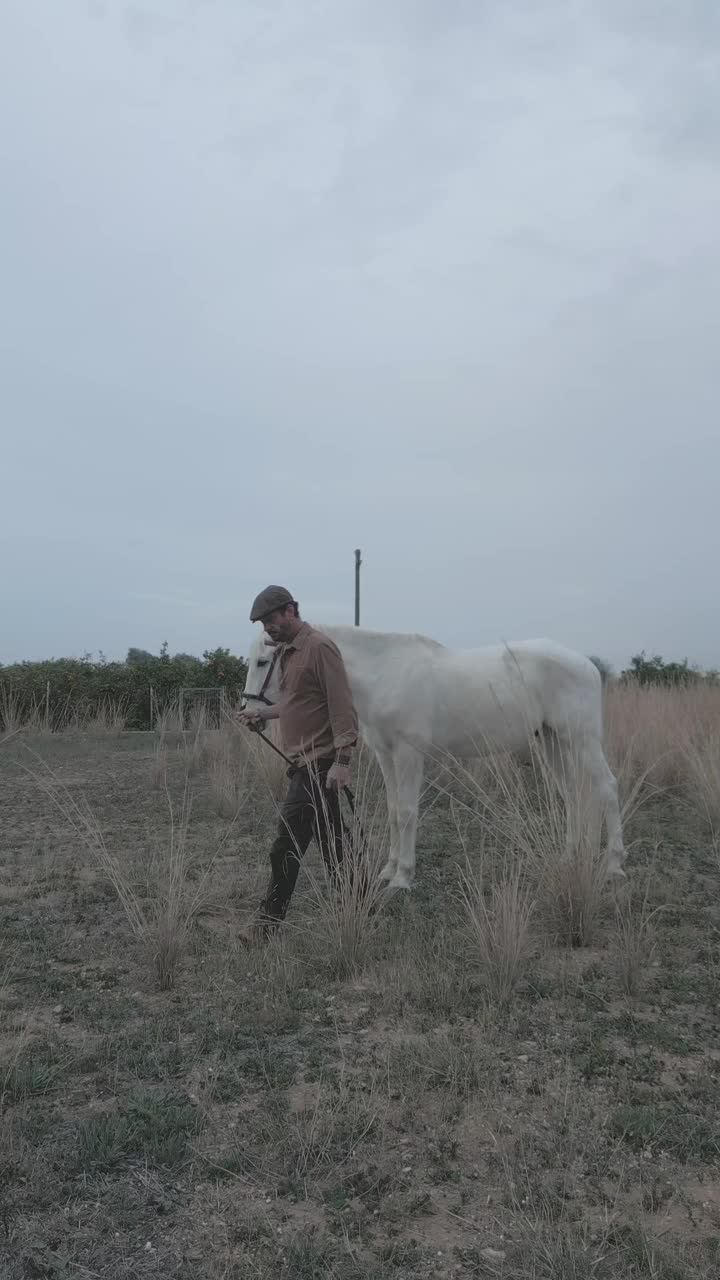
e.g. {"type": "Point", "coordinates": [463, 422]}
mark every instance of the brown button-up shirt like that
{"type": "Point", "coordinates": [317, 716]}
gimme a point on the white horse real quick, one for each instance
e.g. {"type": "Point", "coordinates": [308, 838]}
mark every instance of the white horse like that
{"type": "Point", "coordinates": [415, 698]}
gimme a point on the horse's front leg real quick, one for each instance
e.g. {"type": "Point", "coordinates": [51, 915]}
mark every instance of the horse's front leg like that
{"type": "Point", "coordinates": [408, 780]}
{"type": "Point", "coordinates": [387, 768]}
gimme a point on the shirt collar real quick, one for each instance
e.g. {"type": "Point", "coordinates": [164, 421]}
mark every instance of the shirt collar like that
{"type": "Point", "coordinates": [298, 640]}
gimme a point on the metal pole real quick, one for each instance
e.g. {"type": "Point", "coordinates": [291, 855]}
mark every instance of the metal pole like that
{"type": "Point", "coordinates": [358, 562]}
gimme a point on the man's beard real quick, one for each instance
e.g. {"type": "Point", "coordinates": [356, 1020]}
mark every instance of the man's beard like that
{"type": "Point", "coordinates": [280, 635]}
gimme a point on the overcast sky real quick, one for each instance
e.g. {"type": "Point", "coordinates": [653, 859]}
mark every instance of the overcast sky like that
{"type": "Point", "coordinates": [439, 279]}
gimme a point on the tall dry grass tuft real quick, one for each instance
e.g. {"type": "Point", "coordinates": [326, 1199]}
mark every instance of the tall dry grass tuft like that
{"type": "Point", "coordinates": [263, 764]}
{"type": "Point", "coordinates": [169, 736]}
{"type": "Point", "coordinates": [346, 908]}
{"type": "Point", "coordinates": [194, 742]}
{"type": "Point", "coordinates": [572, 891]}
{"type": "Point", "coordinates": [231, 759]}
{"type": "Point", "coordinates": [11, 714]}
{"type": "Point", "coordinates": [497, 927]}
{"type": "Point", "coordinates": [524, 807]}
{"type": "Point", "coordinates": [107, 719]}
{"type": "Point", "coordinates": [702, 755]}
{"type": "Point", "coordinates": [159, 767]}
{"type": "Point", "coordinates": [168, 724]}
{"type": "Point", "coordinates": [17, 717]}
{"type": "Point", "coordinates": [175, 903]}
{"type": "Point", "coordinates": [634, 940]}
{"type": "Point", "coordinates": [228, 767]}
{"type": "Point", "coordinates": [162, 917]}
{"type": "Point", "coordinates": [268, 768]}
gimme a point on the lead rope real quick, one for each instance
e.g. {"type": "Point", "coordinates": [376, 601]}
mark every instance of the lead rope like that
{"type": "Point", "coordinates": [346, 789]}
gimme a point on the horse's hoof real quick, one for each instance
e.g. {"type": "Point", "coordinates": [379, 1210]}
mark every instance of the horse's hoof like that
{"type": "Point", "coordinates": [400, 881]}
{"type": "Point", "coordinates": [615, 872]}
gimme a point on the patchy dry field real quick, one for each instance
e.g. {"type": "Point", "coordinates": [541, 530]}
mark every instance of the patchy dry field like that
{"type": "Point", "coordinates": [436, 1088]}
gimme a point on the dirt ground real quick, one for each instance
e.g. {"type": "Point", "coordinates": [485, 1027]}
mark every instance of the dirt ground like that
{"type": "Point", "coordinates": [274, 1115]}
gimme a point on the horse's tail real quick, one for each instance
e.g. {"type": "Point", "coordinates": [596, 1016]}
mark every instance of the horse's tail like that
{"type": "Point", "coordinates": [603, 667]}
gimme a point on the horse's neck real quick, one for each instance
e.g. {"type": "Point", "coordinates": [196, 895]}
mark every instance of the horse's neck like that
{"type": "Point", "coordinates": [360, 647]}
{"type": "Point", "coordinates": [352, 644]}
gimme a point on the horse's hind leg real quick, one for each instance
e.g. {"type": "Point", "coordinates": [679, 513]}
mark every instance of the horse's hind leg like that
{"type": "Point", "coordinates": [610, 803]}
{"type": "Point", "coordinates": [387, 768]}
{"type": "Point", "coordinates": [409, 765]}
{"type": "Point", "coordinates": [590, 791]}
{"type": "Point", "coordinates": [562, 766]}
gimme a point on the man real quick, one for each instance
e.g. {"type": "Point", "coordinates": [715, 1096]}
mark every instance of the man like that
{"type": "Point", "coordinates": [319, 728]}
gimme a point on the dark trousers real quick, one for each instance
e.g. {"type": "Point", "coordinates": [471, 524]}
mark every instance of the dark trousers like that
{"type": "Point", "coordinates": [308, 810]}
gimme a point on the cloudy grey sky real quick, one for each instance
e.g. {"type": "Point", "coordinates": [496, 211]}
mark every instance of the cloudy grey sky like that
{"type": "Point", "coordinates": [435, 278]}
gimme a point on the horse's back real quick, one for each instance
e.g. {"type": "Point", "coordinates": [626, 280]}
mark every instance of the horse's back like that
{"type": "Point", "coordinates": [510, 691]}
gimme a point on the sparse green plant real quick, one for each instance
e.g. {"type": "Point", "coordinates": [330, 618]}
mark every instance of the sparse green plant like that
{"type": "Point", "coordinates": [156, 1126]}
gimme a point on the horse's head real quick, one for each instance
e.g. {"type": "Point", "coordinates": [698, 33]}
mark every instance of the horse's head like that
{"type": "Point", "coordinates": [262, 683]}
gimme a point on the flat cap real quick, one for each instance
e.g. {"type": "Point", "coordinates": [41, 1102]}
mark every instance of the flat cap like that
{"type": "Point", "coordinates": [270, 599]}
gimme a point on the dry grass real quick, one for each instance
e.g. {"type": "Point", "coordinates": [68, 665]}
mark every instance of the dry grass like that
{"type": "Point", "coordinates": [168, 724]}
{"type": "Point", "coordinates": [17, 717]}
{"type": "Point", "coordinates": [175, 899]}
{"type": "Point", "coordinates": [635, 941]}
{"type": "Point", "coordinates": [524, 808]}
{"type": "Point", "coordinates": [324, 1134]}
{"type": "Point", "coordinates": [227, 784]}
{"type": "Point", "coordinates": [231, 771]}
{"type": "Point", "coordinates": [169, 735]}
{"type": "Point", "coordinates": [702, 755]}
{"type": "Point", "coordinates": [346, 907]}
{"type": "Point", "coordinates": [6, 977]}
{"type": "Point", "coordinates": [195, 742]}
{"type": "Point", "coordinates": [10, 711]}
{"type": "Point", "coordinates": [270, 769]}
{"type": "Point", "coordinates": [162, 915]}
{"type": "Point", "coordinates": [357, 1099]}
{"type": "Point", "coordinates": [654, 733]}
{"type": "Point", "coordinates": [498, 906]}
{"type": "Point", "coordinates": [159, 765]}
{"type": "Point", "coordinates": [498, 920]}
{"type": "Point", "coordinates": [107, 718]}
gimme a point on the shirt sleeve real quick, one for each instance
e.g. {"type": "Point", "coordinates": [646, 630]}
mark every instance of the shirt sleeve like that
{"type": "Point", "coordinates": [341, 709]}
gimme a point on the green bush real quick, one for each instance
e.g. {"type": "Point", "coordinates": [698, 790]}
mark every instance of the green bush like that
{"type": "Point", "coordinates": [656, 670]}
{"type": "Point", "coordinates": [81, 686]}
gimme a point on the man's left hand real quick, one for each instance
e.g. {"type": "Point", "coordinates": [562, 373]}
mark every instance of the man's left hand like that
{"type": "Point", "coordinates": [338, 777]}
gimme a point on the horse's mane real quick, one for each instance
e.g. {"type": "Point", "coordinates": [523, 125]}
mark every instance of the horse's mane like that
{"type": "Point", "coordinates": [377, 638]}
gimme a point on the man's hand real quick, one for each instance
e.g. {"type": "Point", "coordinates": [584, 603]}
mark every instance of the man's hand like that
{"type": "Point", "coordinates": [252, 720]}
{"type": "Point", "coordinates": [338, 777]}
